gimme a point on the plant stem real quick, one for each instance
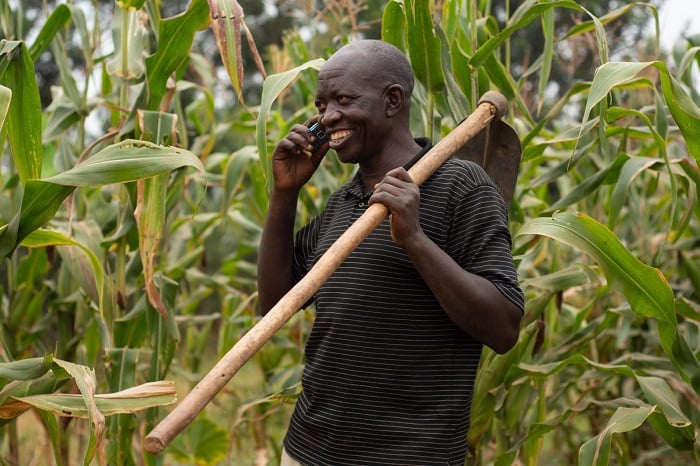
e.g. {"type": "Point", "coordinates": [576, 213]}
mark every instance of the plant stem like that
{"type": "Point", "coordinates": [123, 96]}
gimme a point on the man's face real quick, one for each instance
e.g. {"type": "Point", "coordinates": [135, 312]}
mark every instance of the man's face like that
{"type": "Point", "coordinates": [351, 103]}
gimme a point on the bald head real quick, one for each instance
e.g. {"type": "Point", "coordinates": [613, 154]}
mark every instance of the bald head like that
{"type": "Point", "coordinates": [386, 62]}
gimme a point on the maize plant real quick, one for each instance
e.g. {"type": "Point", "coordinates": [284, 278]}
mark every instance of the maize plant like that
{"type": "Point", "coordinates": [133, 202]}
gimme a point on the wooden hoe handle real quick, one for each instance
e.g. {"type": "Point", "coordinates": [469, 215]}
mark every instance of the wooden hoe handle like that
{"type": "Point", "coordinates": [492, 105]}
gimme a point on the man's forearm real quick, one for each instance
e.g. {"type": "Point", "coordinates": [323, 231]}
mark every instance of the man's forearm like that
{"type": "Point", "coordinates": [471, 301]}
{"type": "Point", "coordinates": [275, 259]}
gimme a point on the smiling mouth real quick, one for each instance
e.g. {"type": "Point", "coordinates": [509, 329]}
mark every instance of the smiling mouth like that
{"type": "Point", "coordinates": [337, 136]}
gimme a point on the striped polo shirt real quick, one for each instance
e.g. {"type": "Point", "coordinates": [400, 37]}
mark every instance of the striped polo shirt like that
{"type": "Point", "coordinates": [388, 376]}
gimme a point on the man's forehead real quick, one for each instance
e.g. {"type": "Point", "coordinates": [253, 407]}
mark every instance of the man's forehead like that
{"type": "Point", "coordinates": [331, 70]}
{"type": "Point", "coordinates": [347, 77]}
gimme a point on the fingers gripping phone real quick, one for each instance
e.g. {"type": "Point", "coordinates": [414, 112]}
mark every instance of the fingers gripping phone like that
{"type": "Point", "coordinates": [321, 136]}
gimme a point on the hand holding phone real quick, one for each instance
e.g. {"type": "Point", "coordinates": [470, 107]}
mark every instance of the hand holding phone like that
{"type": "Point", "coordinates": [321, 136]}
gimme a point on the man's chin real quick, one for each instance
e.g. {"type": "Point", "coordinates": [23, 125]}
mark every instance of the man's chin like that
{"type": "Point", "coordinates": [344, 156]}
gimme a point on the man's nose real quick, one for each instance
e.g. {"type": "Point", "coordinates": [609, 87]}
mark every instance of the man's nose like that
{"type": "Point", "coordinates": [330, 116]}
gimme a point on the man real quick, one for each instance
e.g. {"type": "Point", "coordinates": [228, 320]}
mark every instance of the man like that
{"type": "Point", "coordinates": [399, 327]}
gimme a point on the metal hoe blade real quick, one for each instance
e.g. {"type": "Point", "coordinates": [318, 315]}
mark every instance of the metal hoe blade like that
{"type": "Point", "coordinates": [497, 149]}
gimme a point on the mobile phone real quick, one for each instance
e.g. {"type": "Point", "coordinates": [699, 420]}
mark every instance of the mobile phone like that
{"type": "Point", "coordinates": [321, 136]}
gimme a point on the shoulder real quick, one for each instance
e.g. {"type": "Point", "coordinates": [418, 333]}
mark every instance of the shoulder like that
{"type": "Point", "coordinates": [462, 175]}
{"type": "Point", "coordinates": [462, 185]}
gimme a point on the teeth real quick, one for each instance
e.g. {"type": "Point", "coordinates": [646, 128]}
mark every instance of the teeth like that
{"type": "Point", "coordinates": [339, 135]}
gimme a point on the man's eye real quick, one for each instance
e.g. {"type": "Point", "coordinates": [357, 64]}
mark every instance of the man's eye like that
{"type": "Point", "coordinates": [343, 99]}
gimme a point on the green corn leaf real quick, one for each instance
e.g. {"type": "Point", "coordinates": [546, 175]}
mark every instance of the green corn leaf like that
{"type": "Point", "coordinates": [273, 86]}
{"type": "Point", "coordinates": [175, 39]}
{"type": "Point", "coordinates": [62, 116]}
{"type": "Point", "coordinates": [669, 420]}
{"type": "Point", "coordinates": [151, 202]}
{"type": "Point", "coordinates": [84, 379]}
{"type": "Point", "coordinates": [59, 18]}
{"type": "Point", "coordinates": [632, 168]}
{"type": "Point", "coordinates": [684, 111]}
{"type": "Point", "coordinates": [394, 24]}
{"type": "Point", "coordinates": [10, 408]}
{"type": "Point", "coordinates": [678, 223]}
{"type": "Point", "coordinates": [25, 369]}
{"type": "Point", "coordinates": [226, 20]}
{"type": "Point", "coordinates": [453, 17]}
{"type": "Point", "coordinates": [424, 45]}
{"type": "Point", "coordinates": [590, 184]}
{"type": "Point", "coordinates": [516, 402]}
{"type": "Point", "coordinates": [545, 370]}
{"type": "Point", "coordinates": [691, 270]}
{"type": "Point", "coordinates": [40, 203]}
{"type": "Point", "coordinates": [538, 429]}
{"type": "Point", "coordinates": [684, 68]}
{"type": "Point", "coordinates": [34, 379]}
{"type": "Point", "coordinates": [81, 27]}
{"type": "Point", "coordinates": [5, 99]}
{"type": "Point", "coordinates": [456, 100]}
{"type": "Point", "coordinates": [492, 374]}
{"type": "Point", "coordinates": [560, 280]}
{"type": "Point", "coordinates": [607, 77]}
{"type": "Point", "coordinates": [502, 80]}
{"type": "Point", "coordinates": [204, 442]}
{"type": "Point", "coordinates": [124, 362]}
{"type": "Point", "coordinates": [461, 72]}
{"type": "Point", "coordinates": [68, 88]}
{"type": "Point", "coordinates": [164, 332]}
{"type": "Point", "coordinates": [526, 13]}
{"type": "Point", "coordinates": [131, 4]}
{"type": "Point", "coordinates": [596, 451]}
{"type": "Point", "coordinates": [150, 215]}
{"type": "Point", "coordinates": [128, 160]}
{"type": "Point", "coordinates": [548, 29]}
{"type": "Point", "coordinates": [157, 127]}
{"type": "Point", "coordinates": [43, 238]}
{"type": "Point", "coordinates": [644, 287]}
{"type": "Point", "coordinates": [23, 122]}
{"type": "Point", "coordinates": [236, 167]}
{"type": "Point", "coordinates": [130, 400]}
{"type": "Point", "coordinates": [614, 15]}
{"type": "Point", "coordinates": [130, 40]}
{"type": "Point", "coordinates": [667, 417]}
{"type": "Point", "coordinates": [689, 310]}
{"type": "Point", "coordinates": [54, 433]}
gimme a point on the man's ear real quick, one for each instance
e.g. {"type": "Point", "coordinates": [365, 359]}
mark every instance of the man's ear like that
{"type": "Point", "coordinates": [394, 99]}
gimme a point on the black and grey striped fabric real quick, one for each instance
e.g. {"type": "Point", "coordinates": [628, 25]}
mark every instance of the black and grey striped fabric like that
{"type": "Point", "coordinates": [388, 376]}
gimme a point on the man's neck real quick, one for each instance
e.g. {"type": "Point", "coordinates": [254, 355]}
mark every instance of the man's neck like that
{"type": "Point", "coordinates": [393, 155]}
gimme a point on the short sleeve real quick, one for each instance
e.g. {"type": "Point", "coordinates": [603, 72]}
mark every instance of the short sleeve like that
{"type": "Point", "coordinates": [479, 239]}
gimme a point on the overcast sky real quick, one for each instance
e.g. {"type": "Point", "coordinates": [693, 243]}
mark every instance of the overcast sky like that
{"type": "Point", "coordinates": [677, 17]}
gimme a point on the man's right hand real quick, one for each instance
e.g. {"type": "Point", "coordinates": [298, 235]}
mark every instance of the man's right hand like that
{"type": "Point", "coordinates": [294, 160]}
